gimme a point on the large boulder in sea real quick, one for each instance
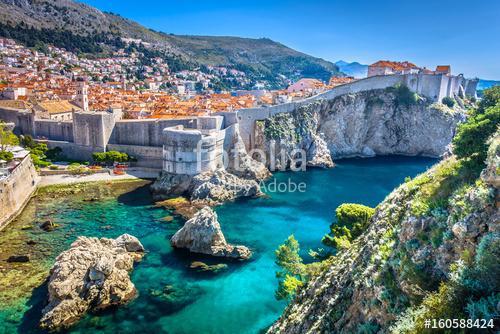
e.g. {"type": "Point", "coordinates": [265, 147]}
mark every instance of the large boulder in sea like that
{"type": "Point", "coordinates": [207, 188]}
{"type": "Point", "coordinates": [90, 276]}
{"type": "Point", "coordinates": [211, 188]}
{"type": "Point", "coordinates": [169, 185]}
{"type": "Point", "coordinates": [202, 234]}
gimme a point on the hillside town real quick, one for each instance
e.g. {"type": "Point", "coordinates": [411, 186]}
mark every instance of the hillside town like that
{"type": "Point", "coordinates": [54, 83]}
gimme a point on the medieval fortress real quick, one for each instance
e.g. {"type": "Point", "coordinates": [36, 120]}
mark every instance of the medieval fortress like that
{"type": "Point", "coordinates": [194, 145]}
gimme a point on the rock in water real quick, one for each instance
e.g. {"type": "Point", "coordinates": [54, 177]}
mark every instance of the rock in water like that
{"type": "Point", "coordinates": [168, 185]}
{"type": "Point", "coordinates": [216, 187]}
{"type": "Point", "coordinates": [208, 188]}
{"type": "Point", "coordinates": [92, 275]}
{"type": "Point", "coordinates": [202, 234]}
{"type": "Point", "coordinates": [18, 258]}
{"type": "Point", "coordinates": [318, 154]}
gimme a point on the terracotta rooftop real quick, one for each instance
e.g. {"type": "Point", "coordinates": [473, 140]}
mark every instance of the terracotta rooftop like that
{"type": "Point", "coordinates": [395, 65]}
{"type": "Point", "coordinates": [14, 104]}
{"type": "Point", "coordinates": [57, 107]}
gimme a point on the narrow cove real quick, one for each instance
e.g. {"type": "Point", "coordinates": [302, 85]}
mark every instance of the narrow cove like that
{"type": "Point", "coordinates": [172, 297]}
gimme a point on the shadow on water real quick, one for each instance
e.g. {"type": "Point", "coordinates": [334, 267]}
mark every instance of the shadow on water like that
{"type": "Point", "coordinates": [140, 196]}
{"type": "Point", "coordinates": [31, 318]}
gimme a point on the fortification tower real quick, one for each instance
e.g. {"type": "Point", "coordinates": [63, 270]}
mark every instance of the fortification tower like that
{"type": "Point", "coordinates": [82, 98]}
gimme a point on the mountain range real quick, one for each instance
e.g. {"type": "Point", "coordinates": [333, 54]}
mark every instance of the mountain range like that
{"type": "Point", "coordinates": [353, 69]}
{"type": "Point", "coordinates": [85, 29]}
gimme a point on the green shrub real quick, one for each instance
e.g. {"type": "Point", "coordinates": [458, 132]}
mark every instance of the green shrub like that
{"type": "Point", "coordinates": [293, 270]}
{"type": "Point", "coordinates": [471, 138]}
{"type": "Point", "coordinates": [54, 154]}
{"type": "Point", "coordinates": [484, 308]}
{"type": "Point", "coordinates": [491, 97]}
{"type": "Point", "coordinates": [448, 101]}
{"type": "Point", "coordinates": [110, 157]}
{"type": "Point", "coordinates": [403, 95]}
{"type": "Point", "coordinates": [352, 220]}
{"type": "Point", "coordinates": [6, 155]}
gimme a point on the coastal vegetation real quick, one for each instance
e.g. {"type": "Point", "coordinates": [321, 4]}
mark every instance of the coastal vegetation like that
{"type": "Point", "coordinates": [352, 220]}
{"type": "Point", "coordinates": [7, 138]}
{"type": "Point", "coordinates": [294, 272]}
{"type": "Point", "coordinates": [430, 251]}
{"type": "Point", "coordinates": [448, 101]}
{"type": "Point", "coordinates": [110, 157]}
{"type": "Point", "coordinates": [403, 95]}
{"type": "Point", "coordinates": [470, 141]}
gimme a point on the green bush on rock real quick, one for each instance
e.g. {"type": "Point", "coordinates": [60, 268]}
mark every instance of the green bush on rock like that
{"type": "Point", "coordinates": [352, 220]}
{"type": "Point", "coordinates": [448, 101]}
{"type": "Point", "coordinates": [403, 95]}
{"type": "Point", "coordinates": [471, 138]}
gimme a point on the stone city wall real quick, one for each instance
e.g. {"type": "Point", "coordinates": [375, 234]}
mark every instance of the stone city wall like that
{"type": "Point", "coordinates": [147, 156]}
{"type": "Point", "coordinates": [16, 190]}
{"type": "Point", "coordinates": [61, 131]}
{"type": "Point", "coordinates": [99, 131]}
{"type": "Point", "coordinates": [432, 86]}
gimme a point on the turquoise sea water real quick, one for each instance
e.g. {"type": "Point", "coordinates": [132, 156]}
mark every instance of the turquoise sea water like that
{"type": "Point", "coordinates": [238, 300]}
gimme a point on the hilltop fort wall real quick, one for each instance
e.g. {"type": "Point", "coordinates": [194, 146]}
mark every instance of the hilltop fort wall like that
{"type": "Point", "coordinates": [434, 87]}
{"type": "Point", "coordinates": [169, 144]}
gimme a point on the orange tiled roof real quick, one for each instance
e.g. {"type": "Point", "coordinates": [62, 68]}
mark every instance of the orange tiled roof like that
{"type": "Point", "coordinates": [57, 107]}
{"type": "Point", "coordinates": [395, 65]}
{"type": "Point", "coordinates": [443, 68]}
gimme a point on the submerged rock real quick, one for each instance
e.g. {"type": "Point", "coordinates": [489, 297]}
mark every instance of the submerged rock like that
{"type": "Point", "coordinates": [18, 258]}
{"type": "Point", "coordinates": [48, 225]}
{"type": "Point", "coordinates": [202, 234]}
{"type": "Point", "coordinates": [203, 267]}
{"type": "Point", "coordinates": [92, 275]}
{"type": "Point", "coordinates": [181, 206]}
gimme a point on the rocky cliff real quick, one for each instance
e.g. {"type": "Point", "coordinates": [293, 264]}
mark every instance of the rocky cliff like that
{"type": "Point", "coordinates": [376, 122]}
{"type": "Point", "coordinates": [431, 250]}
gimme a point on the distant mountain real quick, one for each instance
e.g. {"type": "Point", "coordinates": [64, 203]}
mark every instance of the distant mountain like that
{"type": "Point", "coordinates": [353, 69]}
{"type": "Point", "coordinates": [83, 29]}
{"type": "Point", "coordinates": [485, 84]}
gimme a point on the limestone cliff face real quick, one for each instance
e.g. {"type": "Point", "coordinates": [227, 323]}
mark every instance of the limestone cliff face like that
{"type": "Point", "coordinates": [368, 123]}
{"type": "Point", "coordinates": [418, 233]}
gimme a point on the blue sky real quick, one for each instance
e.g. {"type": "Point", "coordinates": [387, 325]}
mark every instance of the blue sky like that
{"type": "Point", "coordinates": [464, 34]}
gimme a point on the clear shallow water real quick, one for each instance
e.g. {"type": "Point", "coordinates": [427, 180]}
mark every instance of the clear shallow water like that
{"type": "Point", "coordinates": [238, 300]}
